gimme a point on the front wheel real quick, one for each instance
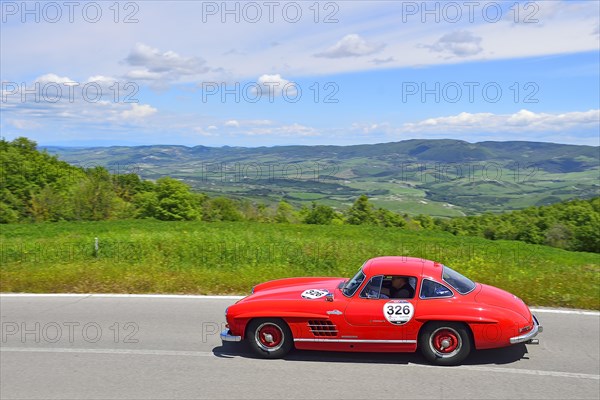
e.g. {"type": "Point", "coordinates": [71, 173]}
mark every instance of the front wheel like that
{"type": "Point", "coordinates": [445, 343]}
{"type": "Point", "coordinates": [269, 338]}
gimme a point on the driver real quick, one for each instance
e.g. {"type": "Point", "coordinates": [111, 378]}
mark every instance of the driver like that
{"type": "Point", "coordinates": [401, 289]}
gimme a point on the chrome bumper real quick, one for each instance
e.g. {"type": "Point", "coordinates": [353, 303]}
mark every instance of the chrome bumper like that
{"type": "Point", "coordinates": [226, 336]}
{"type": "Point", "coordinates": [537, 328]}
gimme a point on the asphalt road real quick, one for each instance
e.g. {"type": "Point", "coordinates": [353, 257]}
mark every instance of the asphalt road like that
{"type": "Point", "coordinates": [82, 347]}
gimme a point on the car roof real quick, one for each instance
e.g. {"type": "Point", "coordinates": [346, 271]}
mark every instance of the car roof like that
{"type": "Point", "coordinates": [401, 265]}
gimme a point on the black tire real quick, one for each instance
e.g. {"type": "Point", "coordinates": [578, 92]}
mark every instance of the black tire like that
{"type": "Point", "coordinates": [445, 343]}
{"type": "Point", "coordinates": [269, 337]}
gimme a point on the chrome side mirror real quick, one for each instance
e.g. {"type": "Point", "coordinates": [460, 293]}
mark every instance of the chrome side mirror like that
{"type": "Point", "coordinates": [329, 297]}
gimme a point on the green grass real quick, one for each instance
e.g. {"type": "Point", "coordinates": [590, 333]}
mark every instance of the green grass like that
{"type": "Point", "coordinates": [222, 258]}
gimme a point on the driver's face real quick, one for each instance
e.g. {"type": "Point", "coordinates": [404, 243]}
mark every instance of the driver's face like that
{"type": "Point", "coordinates": [398, 282]}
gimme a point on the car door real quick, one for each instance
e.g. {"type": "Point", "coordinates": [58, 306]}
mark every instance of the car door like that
{"type": "Point", "coordinates": [376, 318]}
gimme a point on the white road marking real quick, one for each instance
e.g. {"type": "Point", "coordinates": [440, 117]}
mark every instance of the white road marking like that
{"type": "Point", "coordinates": [537, 372]}
{"type": "Point", "coordinates": [557, 374]}
{"type": "Point", "coordinates": [106, 351]}
{"type": "Point", "coordinates": [118, 295]}
{"type": "Point", "coordinates": [564, 311]}
{"type": "Point", "coordinates": [227, 297]}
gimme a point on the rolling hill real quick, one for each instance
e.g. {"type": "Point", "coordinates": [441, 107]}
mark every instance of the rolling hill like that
{"type": "Point", "coordinates": [436, 177]}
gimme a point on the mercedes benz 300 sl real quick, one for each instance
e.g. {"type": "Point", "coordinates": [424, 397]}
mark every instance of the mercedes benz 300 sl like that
{"type": "Point", "coordinates": [392, 304]}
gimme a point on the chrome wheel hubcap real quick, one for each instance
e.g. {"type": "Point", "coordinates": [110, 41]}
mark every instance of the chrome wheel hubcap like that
{"type": "Point", "coordinates": [269, 337]}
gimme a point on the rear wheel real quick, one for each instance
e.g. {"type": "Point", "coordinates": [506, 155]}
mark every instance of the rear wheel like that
{"type": "Point", "coordinates": [445, 343]}
{"type": "Point", "coordinates": [269, 338]}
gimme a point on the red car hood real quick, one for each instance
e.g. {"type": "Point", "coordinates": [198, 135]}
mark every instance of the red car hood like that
{"type": "Point", "coordinates": [500, 298]}
{"type": "Point", "coordinates": [293, 288]}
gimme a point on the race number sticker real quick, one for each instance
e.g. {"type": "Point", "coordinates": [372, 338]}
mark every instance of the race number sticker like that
{"type": "Point", "coordinates": [314, 293]}
{"type": "Point", "coordinates": [398, 312]}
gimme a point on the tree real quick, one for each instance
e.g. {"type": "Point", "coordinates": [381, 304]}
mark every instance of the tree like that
{"type": "Point", "coordinates": [425, 221]}
{"type": "Point", "coordinates": [25, 172]}
{"type": "Point", "coordinates": [146, 204]}
{"type": "Point", "coordinates": [9, 207]}
{"type": "Point", "coordinates": [284, 213]}
{"type": "Point", "coordinates": [387, 218]}
{"type": "Point", "coordinates": [361, 212]}
{"type": "Point", "coordinates": [7, 214]}
{"type": "Point", "coordinates": [175, 202]}
{"type": "Point", "coordinates": [222, 209]}
{"type": "Point", "coordinates": [49, 205]}
{"type": "Point", "coordinates": [94, 197]}
{"type": "Point", "coordinates": [587, 237]}
{"type": "Point", "coordinates": [128, 185]}
{"type": "Point", "coordinates": [319, 215]}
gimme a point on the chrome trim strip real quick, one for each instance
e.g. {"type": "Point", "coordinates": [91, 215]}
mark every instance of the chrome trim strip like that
{"type": "Point", "coordinates": [537, 328]}
{"type": "Point", "coordinates": [226, 336]}
{"type": "Point", "coordinates": [353, 341]}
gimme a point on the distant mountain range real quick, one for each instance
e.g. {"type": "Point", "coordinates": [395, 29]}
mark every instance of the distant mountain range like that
{"type": "Point", "coordinates": [437, 177]}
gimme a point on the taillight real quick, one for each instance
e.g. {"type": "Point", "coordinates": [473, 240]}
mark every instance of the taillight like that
{"type": "Point", "coordinates": [525, 329]}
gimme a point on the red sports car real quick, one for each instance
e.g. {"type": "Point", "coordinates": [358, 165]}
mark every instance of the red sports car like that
{"type": "Point", "coordinates": [392, 304]}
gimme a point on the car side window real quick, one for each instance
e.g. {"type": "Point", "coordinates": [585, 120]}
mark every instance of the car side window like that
{"type": "Point", "coordinates": [372, 288]}
{"type": "Point", "coordinates": [398, 287]}
{"type": "Point", "coordinates": [432, 290]}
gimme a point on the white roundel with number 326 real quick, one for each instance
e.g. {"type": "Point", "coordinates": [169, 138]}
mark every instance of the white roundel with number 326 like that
{"type": "Point", "coordinates": [398, 311]}
{"type": "Point", "coordinates": [312, 294]}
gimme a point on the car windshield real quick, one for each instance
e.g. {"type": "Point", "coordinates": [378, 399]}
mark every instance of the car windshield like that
{"type": "Point", "coordinates": [462, 284]}
{"type": "Point", "coordinates": [353, 284]}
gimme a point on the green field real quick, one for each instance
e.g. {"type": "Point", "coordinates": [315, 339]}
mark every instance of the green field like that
{"type": "Point", "coordinates": [146, 256]}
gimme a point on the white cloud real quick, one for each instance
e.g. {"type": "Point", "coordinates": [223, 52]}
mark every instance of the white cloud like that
{"type": "Point", "coordinates": [143, 74]}
{"type": "Point", "coordinates": [351, 45]}
{"type": "Point", "coordinates": [521, 121]}
{"type": "Point", "coordinates": [204, 132]}
{"type": "Point", "coordinates": [101, 78]}
{"type": "Point", "coordinates": [53, 78]}
{"type": "Point", "coordinates": [259, 122]}
{"type": "Point", "coordinates": [291, 130]}
{"type": "Point", "coordinates": [232, 123]}
{"type": "Point", "coordinates": [139, 111]}
{"type": "Point", "coordinates": [23, 124]}
{"type": "Point", "coordinates": [366, 129]}
{"type": "Point", "coordinates": [103, 81]}
{"type": "Point", "coordinates": [458, 44]}
{"type": "Point", "coordinates": [274, 85]}
{"type": "Point", "coordinates": [157, 65]}
{"type": "Point", "coordinates": [380, 61]}
{"type": "Point", "coordinates": [564, 28]}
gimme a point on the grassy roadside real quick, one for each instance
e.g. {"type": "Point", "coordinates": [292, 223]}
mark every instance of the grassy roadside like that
{"type": "Point", "coordinates": [219, 258]}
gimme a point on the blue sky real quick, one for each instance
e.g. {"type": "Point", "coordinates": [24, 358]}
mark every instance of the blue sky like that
{"type": "Point", "coordinates": [355, 72]}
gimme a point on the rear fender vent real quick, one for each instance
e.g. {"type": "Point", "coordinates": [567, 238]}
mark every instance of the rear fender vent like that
{"type": "Point", "coordinates": [322, 327]}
